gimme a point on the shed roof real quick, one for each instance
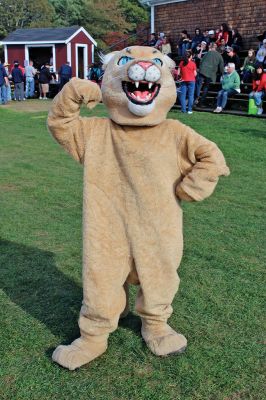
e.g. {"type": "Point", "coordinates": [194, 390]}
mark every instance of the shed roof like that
{"type": "Point", "coordinates": [42, 35]}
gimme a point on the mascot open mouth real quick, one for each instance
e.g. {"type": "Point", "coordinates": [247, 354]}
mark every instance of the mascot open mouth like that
{"type": "Point", "coordinates": [141, 93]}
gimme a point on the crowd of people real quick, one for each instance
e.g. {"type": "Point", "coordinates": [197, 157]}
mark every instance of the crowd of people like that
{"type": "Point", "coordinates": [23, 80]}
{"type": "Point", "coordinates": [210, 56]}
{"type": "Point", "coordinates": [206, 57]}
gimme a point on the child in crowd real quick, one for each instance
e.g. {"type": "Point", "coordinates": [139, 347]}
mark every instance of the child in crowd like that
{"type": "Point", "coordinates": [166, 47]}
{"type": "Point", "coordinates": [259, 87]}
{"type": "Point", "coordinates": [248, 67]}
{"type": "Point", "coordinates": [188, 72]}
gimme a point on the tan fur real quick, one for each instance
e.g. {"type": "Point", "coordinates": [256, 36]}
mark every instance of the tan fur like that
{"type": "Point", "coordinates": [136, 170]}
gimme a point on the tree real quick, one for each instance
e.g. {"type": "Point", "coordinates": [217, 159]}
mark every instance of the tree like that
{"type": "Point", "coordinates": [16, 14]}
{"type": "Point", "coordinates": [133, 12]}
{"type": "Point", "coordinates": [68, 12]}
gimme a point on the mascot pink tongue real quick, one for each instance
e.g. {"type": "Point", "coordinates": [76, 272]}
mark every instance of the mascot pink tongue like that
{"type": "Point", "coordinates": [137, 167]}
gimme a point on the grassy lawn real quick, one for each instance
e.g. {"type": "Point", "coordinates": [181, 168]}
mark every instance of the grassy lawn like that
{"type": "Point", "coordinates": [218, 306]}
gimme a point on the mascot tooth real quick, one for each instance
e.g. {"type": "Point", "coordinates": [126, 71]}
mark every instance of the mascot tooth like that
{"type": "Point", "coordinates": [138, 166]}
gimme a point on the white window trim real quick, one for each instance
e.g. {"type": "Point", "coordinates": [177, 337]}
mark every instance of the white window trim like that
{"type": "Point", "coordinates": [92, 53]}
{"type": "Point", "coordinates": [42, 45]}
{"type": "Point", "coordinates": [69, 53]}
{"type": "Point", "coordinates": [5, 53]}
{"type": "Point", "coordinates": [85, 46]}
{"type": "Point", "coordinates": [152, 20]}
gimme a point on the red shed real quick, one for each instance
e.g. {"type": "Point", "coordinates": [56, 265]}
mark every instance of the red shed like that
{"type": "Point", "coordinates": [54, 45]}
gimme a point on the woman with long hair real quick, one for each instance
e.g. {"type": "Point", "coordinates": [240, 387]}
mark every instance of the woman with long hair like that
{"type": "Point", "coordinates": [223, 34]}
{"type": "Point", "coordinates": [248, 67]}
{"type": "Point", "coordinates": [188, 71]}
{"type": "Point", "coordinates": [258, 87]}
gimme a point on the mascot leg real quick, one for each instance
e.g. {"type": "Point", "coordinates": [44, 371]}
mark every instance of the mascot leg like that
{"type": "Point", "coordinates": [156, 267]}
{"type": "Point", "coordinates": [126, 309]}
{"type": "Point", "coordinates": [106, 265]}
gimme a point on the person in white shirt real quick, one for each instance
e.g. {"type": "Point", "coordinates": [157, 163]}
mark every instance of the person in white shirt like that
{"type": "Point", "coordinates": [30, 72]}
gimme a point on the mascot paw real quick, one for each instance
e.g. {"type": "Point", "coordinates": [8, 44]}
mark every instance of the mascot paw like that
{"type": "Point", "coordinates": [162, 340]}
{"type": "Point", "coordinates": [78, 353]}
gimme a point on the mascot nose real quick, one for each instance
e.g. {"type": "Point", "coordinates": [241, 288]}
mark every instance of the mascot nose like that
{"type": "Point", "coordinates": [145, 64]}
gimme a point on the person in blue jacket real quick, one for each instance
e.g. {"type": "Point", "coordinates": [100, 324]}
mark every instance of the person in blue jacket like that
{"type": "Point", "coordinates": [65, 74]}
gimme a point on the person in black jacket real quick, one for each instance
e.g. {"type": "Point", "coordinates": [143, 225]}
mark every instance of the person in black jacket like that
{"type": "Point", "coordinates": [18, 79]}
{"type": "Point", "coordinates": [237, 41]}
{"type": "Point", "coordinates": [44, 80]}
{"type": "Point", "coordinates": [231, 57]}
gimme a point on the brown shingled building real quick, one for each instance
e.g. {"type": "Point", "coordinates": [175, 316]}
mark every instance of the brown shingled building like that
{"type": "Point", "coordinates": [173, 16]}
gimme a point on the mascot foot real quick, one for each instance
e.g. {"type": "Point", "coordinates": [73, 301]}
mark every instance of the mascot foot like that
{"type": "Point", "coordinates": [162, 340]}
{"type": "Point", "coordinates": [80, 352]}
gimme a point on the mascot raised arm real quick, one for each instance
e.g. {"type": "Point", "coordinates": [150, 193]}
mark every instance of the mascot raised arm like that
{"type": "Point", "coordinates": [138, 166]}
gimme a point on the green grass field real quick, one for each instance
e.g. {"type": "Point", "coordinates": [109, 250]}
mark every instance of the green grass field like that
{"type": "Point", "coordinates": [219, 305]}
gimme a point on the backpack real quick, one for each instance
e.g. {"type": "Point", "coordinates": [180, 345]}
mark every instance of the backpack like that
{"type": "Point", "coordinates": [94, 75]}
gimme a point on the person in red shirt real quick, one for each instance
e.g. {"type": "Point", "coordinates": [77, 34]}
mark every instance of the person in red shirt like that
{"type": "Point", "coordinates": [259, 87]}
{"type": "Point", "coordinates": [223, 34]}
{"type": "Point", "coordinates": [188, 72]}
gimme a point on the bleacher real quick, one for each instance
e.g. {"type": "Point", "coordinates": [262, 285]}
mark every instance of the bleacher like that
{"type": "Point", "coordinates": [236, 105]}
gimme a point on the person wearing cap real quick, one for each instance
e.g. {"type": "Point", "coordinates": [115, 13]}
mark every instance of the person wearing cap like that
{"type": "Point", "coordinates": [230, 87]}
{"type": "Point", "coordinates": [159, 40]}
{"type": "Point", "coordinates": [3, 84]}
{"type": "Point", "coordinates": [18, 79]}
{"type": "Point", "coordinates": [211, 35]}
{"type": "Point", "coordinates": [231, 57]}
{"type": "Point", "coordinates": [258, 87]}
{"type": "Point", "coordinates": [200, 52]}
{"type": "Point", "coordinates": [210, 64]}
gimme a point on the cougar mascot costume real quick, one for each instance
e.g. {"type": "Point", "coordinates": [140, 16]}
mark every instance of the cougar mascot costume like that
{"type": "Point", "coordinates": [137, 167]}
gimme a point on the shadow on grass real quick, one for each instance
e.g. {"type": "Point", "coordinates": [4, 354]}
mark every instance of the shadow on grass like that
{"type": "Point", "coordinates": [31, 280]}
{"type": "Point", "coordinates": [131, 322]}
{"type": "Point", "coordinates": [255, 132]}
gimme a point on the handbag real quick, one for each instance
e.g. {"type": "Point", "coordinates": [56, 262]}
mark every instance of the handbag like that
{"type": "Point", "coordinates": [252, 108]}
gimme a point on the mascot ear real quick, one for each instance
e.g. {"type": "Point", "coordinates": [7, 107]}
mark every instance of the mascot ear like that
{"type": "Point", "coordinates": [106, 58]}
{"type": "Point", "coordinates": [169, 62]}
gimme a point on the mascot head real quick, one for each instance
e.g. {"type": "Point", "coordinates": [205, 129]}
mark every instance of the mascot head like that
{"type": "Point", "coordinates": [138, 87]}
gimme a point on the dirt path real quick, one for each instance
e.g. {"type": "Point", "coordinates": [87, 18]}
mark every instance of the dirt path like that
{"type": "Point", "coordinates": [29, 105]}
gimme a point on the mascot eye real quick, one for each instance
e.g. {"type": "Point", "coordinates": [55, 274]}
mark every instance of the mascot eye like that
{"type": "Point", "coordinates": [157, 61]}
{"type": "Point", "coordinates": [124, 60]}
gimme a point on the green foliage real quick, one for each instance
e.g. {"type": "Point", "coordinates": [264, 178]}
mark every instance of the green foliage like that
{"type": "Point", "coordinates": [133, 12]}
{"type": "Point", "coordinates": [16, 14]}
{"type": "Point", "coordinates": [68, 12]}
{"type": "Point", "coordinates": [96, 16]}
{"type": "Point", "coordinates": [219, 305]}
